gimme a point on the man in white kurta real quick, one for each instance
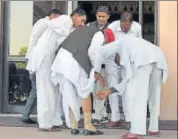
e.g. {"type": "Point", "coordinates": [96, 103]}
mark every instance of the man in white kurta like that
{"type": "Point", "coordinates": [144, 67]}
{"type": "Point", "coordinates": [122, 27]}
{"type": "Point", "coordinates": [38, 29]}
{"type": "Point", "coordinates": [100, 115]}
{"type": "Point", "coordinates": [72, 69]}
{"type": "Point", "coordinates": [42, 57]}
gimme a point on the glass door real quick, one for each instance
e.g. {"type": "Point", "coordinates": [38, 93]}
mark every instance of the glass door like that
{"type": "Point", "coordinates": [20, 17]}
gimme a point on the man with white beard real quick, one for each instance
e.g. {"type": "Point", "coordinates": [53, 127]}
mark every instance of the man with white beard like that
{"type": "Point", "coordinates": [144, 67]}
{"type": "Point", "coordinates": [40, 63]}
{"type": "Point", "coordinates": [124, 26]}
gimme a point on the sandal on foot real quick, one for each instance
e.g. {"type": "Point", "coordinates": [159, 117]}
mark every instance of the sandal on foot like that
{"type": "Point", "coordinates": [92, 133]}
{"type": "Point", "coordinates": [151, 133]}
{"type": "Point", "coordinates": [130, 136]}
{"type": "Point", "coordinates": [75, 131]}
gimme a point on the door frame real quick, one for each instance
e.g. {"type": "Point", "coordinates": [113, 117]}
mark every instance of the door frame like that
{"type": "Point", "coordinates": [75, 5]}
{"type": "Point", "coordinates": [6, 107]}
{"type": "Point", "coordinates": [1, 56]}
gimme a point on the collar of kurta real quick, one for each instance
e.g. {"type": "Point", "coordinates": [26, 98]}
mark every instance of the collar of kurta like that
{"type": "Point", "coordinates": [120, 30]}
{"type": "Point", "coordinates": [47, 17]}
{"type": "Point", "coordinates": [102, 27]}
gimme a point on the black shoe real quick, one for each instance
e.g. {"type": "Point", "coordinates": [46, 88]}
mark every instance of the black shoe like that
{"type": "Point", "coordinates": [92, 133]}
{"type": "Point", "coordinates": [75, 131]}
{"type": "Point", "coordinates": [29, 121]}
{"type": "Point", "coordinates": [96, 122]}
{"type": "Point", "coordinates": [104, 120]}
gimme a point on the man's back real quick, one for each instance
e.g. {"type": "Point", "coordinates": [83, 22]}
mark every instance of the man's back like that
{"type": "Point", "coordinates": [78, 43]}
{"type": "Point", "coordinates": [38, 29]}
{"type": "Point", "coordinates": [140, 50]}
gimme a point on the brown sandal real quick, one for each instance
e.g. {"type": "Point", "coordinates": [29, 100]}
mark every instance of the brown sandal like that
{"type": "Point", "coordinates": [128, 136]}
{"type": "Point", "coordinates": [151, 133]}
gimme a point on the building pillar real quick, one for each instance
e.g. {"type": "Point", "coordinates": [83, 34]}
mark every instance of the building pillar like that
{"type": "Point", "coordinates": [167, 40]}
{"type": "Point", "coordinates": [69, 10]}
{"type": "Point", "coordinates": [1, 56]}
{"type": "Point", "coordinates": [62, 6]}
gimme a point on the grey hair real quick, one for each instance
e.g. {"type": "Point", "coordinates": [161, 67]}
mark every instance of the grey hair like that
{"type": "Point", "coordinates": [103, 9]}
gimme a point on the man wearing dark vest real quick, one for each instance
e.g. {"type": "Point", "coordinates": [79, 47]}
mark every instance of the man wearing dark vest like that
{"type": "Point", "coordinates": [73, 70]}
{"type": "Point", "coordinates": [100, 115]}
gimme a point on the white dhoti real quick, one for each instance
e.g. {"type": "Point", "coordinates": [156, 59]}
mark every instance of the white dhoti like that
{"type": "Point", "coordinates": [70, 100]}
{"type": "Point", "coordinates": [99, 105]}
{"type": "Point", "coordinates": [136, 98]}
{"type": "Point", "coordinates": [113, 76]}
{"type": "Point", "coordinates": [154, 99]}
{"type": "Point", "coordinates": [74, 82]}
{"type": "Point", "coordinates": [46, 92]}
{"type": "Point", "coordinates": [58, 109]}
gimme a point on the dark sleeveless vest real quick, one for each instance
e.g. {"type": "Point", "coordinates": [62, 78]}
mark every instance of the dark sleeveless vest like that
{"type": "Point", "coordinates": [78, 43]}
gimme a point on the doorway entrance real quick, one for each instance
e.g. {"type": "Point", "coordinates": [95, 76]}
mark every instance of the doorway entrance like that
{"type": "Point", "coordinates": [144, 12]}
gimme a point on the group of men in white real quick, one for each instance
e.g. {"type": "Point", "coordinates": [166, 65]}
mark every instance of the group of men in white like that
{"type": "Point", "coordinates": [66, 59]}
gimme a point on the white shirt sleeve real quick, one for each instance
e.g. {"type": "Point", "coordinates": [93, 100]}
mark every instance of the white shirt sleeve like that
{"type": "Point", "coordinates": [127, 69]}
{"type": "Point", "coordinates": [108, 50]}
{"type": "Point", "coordinates": [96, 43]}
{"type": "Point", "coordinates": [114, 25]}
{"type": "Point", "coordinates": [103, 53]}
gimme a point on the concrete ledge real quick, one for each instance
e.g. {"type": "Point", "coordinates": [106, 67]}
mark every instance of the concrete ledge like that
{"type": "Point", "coordinates": [168, 124]}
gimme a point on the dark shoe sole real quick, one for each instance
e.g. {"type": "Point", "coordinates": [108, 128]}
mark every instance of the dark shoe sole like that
{"type": "Point", "coordinates": [92, 133]}
{"type": "Point", "coordinates": [75, 132]}
{"type": "Point", "coordinates": [29, 121]}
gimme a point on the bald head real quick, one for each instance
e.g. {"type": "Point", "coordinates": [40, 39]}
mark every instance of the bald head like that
{"type": "Point", "coordinates": [126, 16]}
{"type": "Point", "coordinates": [126, 21]}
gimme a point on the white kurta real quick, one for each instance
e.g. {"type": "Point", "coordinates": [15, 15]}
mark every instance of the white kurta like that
{"type": "Point", "coordinates": [142, 63]}
{"type": "Point", "coordinates": [112, 77]}
{"type": "Point", "coordinates": [78, 83]}
{"type": "Point", "coordinates": [111, 68]}
{"type": "Point", "coordinates": [135, 29]}
{"type": "Point", "coordinates": [132, 50]}
{"type": "Point", "coordinates": [99, 107]}
{"type": "Point", "coordinates": [40, 62]}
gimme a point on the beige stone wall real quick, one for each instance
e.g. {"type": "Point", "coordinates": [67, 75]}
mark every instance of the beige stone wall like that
{"type": "Point", "coordinates": [167, 25]}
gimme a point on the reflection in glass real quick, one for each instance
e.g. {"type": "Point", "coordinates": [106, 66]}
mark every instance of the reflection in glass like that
{"type": "Point", "coordinates": [19, 83]}
{"type": "Point", "coordinates": [115, 8]}
{"type": "Point", "coordinates": [148, 20]}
